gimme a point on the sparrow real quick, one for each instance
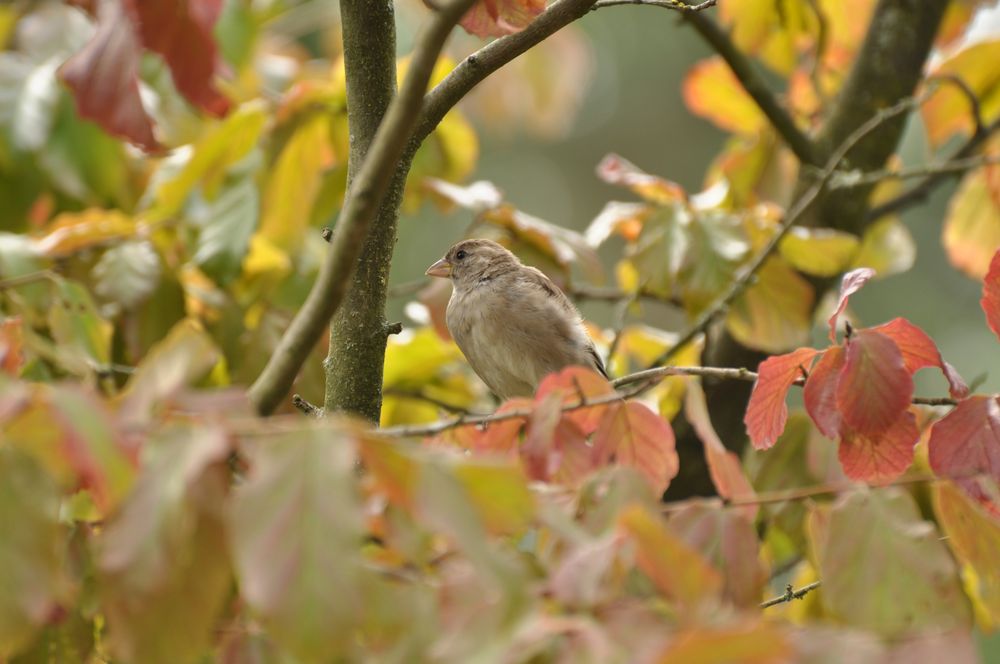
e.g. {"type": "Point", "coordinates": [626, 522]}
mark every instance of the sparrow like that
{"type": "Point", "coordinates": [513, 324]}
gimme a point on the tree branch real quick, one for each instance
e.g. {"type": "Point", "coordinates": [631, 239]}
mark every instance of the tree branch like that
{"type": "Point", "coordinates": [360, 206]}
{"type": "Point", "coordinates": [791, 594]}
{"type": "Point", "coordinates": [919, 192]}
{"type": "Point", "coordinates": [639, 381]}
{"type": "Point", "coordinates": [850, 179]}
{"type": "Point", "coordinates": [798, 142]}
{"type": "Point", "coordinates": [476, 67]}
{"type": "Point", "coordinates": [676, 5]}
{"type": "Point", "coordinates": [796, 213]}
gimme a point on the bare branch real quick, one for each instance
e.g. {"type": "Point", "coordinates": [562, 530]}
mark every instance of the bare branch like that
{"type": "Point", "coordinates": [791, 594]}
{"type": "Point", "coordinates": [797, 212]}
{"type": "Point", "coordinates": [919, 192]}
{"type": "Point", "coordinates": [676, 5]}
{"type": "Point", "coordinates": [362, 203]}
{"type": "Point", "coordinates": [476, 67]}
{"type": "Point", "coordinates": [850, 179]}
{"type": "Point", "coordinates": [306, 407]}
{"type": "Point", "coordinates": [636, 383]}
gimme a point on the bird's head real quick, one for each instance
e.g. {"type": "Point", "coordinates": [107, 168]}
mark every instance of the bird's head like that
{"type": "Point", "coordinates": [471, 261]}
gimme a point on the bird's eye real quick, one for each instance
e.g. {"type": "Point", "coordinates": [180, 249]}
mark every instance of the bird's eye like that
{"type": "Point", "coordinates": [460, 254]}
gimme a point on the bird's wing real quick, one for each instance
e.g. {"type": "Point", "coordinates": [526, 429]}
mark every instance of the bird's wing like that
{"type": "Point", "coordinates": [536, 279]}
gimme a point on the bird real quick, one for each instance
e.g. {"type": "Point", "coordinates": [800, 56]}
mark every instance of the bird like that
{"type": "Point", "coordinates": [513, 324]}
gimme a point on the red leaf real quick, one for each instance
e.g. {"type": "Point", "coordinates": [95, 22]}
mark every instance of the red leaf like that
{"type": "Point", "coordinates": [11, 346]}
{"type": "Point", "coordinates": [820, 393]}
{"type": "Point", "coordinates": [636, 436]}
{"type": "Point", "coordinates": [920, 351]}
{"type": "Point", "coordinates": [104, 79]}
{"type": "Point", "coordinates": [850, 284]}
{"type": "Point", "coordinates": [766, 413]}
{"type": "Point", "coordinates": [966, 442]}
{"type": "Point", "coordinates": [572, 384]}
{"type": "Point", "coordinates": [991, 295]}
{"type": "Point", "coordinates": [880, 457]}
{"type": "Point", "coordinates": [502, 437]}
{"type": "Point", "coordinates": [496, 18]}
{"type": "Point", "coordinates": [181, 31]}
{"type": "Point", "coordinates": [874, 387]}
{"type": "Point", "coordinates": [723, 465]}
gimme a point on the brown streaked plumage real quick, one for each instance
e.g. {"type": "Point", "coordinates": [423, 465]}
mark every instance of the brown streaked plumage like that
{"type": "Point", "coordinates": [512, 323]}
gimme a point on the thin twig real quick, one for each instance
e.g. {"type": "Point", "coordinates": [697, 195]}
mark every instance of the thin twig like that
{"type": "Point", "coordinates": [636, 383]}
{"type": "Point", "coordinates": [25, 279]}
{"type": "Point", "coordinates": [306, 407]}
{"type": "Point", "coordinates": [975, 109]}
{"type": "Point", "coordinates": [796, 213]}
{"type": "Point", "coordinates": [434, 401]}
{"type": "Point", "coordinates": [362, 203]}
{"type": "Point", "coordinates": [676, 5]}
{"type": "Point", "coordinates": [919, 192]}
{"type": "Point", "coordinates": [791, 594]}
{"type": "Point", "coordinates": [851, 179]}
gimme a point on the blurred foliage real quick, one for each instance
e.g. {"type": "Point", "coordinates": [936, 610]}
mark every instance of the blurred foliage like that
{"type": "Point", "coordinates": [165, 167]}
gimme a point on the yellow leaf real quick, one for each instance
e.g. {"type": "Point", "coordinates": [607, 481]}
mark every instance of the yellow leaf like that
{"type": "Point", "coordinates": [948, 112]}
{"type": "Point", "coordinates": [887, 247]}
{"type": "Point", "coordinates": [231, 140]}
{"type": "Point", "coordinates": [774, 314]}
{"type": "Point", "coordinates": [70, 232]}
{"type": "Point", "coordinates": [712, 91]}
{"type": "Point", "coordinates": [971, 231]}
{"type": "Point", "coordinates": [823, 252]}
{"type": "Point", "coordinates": [294, 183]}
{"type": "Point", "coordinates": [770, 30]}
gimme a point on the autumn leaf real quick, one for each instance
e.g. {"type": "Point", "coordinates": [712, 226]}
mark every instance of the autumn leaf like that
{"type": "Point", "coordinates": [635, 436]}
{"type": "Point", "coordinates": [947, 112]}
{"type": "Point", "coordinates": [880, 457]}
{"type": "Point", "coordinates": [575, 384]}
{"type": "Point", "coordinates": [874, 387]}
{"type": "Point", "coordinates": [971, 230]}
{"type": "Point", "coordinates": [766, 411]}
{"type": "Point", "coordinates": [990, 301]}
{"type": "Point", "coordinates": [614, 169]}
{"type": "Point", "coordinates": [496, 18]}
{"type": "Point", "coordinates": [850, 283]}
{"type": "Point", "coordinates": [920, 351]}
{"type": "Point", "coordinates": [712, 91]}
{"type": "Point", "coordinates": [966, 443]}
{"type": "Point", "coordinates": [104, 78]}
{"type": "Point", "coordinates": [820, 393]}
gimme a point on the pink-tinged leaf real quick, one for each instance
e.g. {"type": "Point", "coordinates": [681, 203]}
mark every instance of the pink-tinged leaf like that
{"type": "Point", "coordinates": [181, 31]}
{"type": "Point", "coordinates": [820, 393]}
{"type": "Point", "coordinates": [574, 384]}
{"type": "Point", "coordinates": [920, 351]}
{"type": "Point", "coordinates": [555, 449]}
{"type": "Point", "coordinates": [850, 284]}
{"type": "Point", "coordinates": [104, 78]}
{"type": "Point", "coordinates": [880, 457]}
{"type": "Point", "coordinates": [616, 170]}
{"type": "Point", "coordinates": [965, 443]}
{"type": "Point", "coordinates": [990, 301]}
{"type": "Point", "coordinates": [635, 436]}
{"type": "Point", "coordinates": [496, 18]}
{"type": "Point", "coordinates": [723, 465]}
{"type": "Point", "coordinates": [766, 413]}
{"type": "Point", "coordinates": [875, 387]}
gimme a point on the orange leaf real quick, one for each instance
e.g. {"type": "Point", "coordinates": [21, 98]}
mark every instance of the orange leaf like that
{"type": "Point", "coordinates": [920, 351]}
{"type": "Point", "coordinates": [766, 412]}
{"type": "Point", "coordinates": [712, 91]}
{"type": "Point", "coordinates": [636, 436]}
{"type": "Point", "coordinates": [990, 301]}
{"type": "Point", "coordinates": [880, 457]}
{"type": "Point", "coordinates": [677, 570]}
{"type": "Point", "coordinates": [573, 384]}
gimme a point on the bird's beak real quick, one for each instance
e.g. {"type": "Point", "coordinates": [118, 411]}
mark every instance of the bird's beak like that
{"type": "Point", "coordinates": [440, 269]}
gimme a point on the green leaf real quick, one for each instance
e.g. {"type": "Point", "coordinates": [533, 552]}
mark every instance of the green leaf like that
{"type": "Point", "coordinates": [32, 551]}
{"type": "Point", "coordinates": [163, 562]}
{"type": "Point", "coordinates": [823, 252]}
{"type": "Point", "coordinates": [226, 226]}
{"type": "Point", "coordinates": [884, 568]}
{"type": "Point", "coordinates": [775, 313]}
{"type": "Point", "coordinates": [718, 246]}
{"type": "Point", "coordinates": [127, 274]}
{"type": "Point", "coordinates": [662, 248]}
{"type": "Point", "coordinates": [83, 338]}
{"type": "Point", "coordinates": [296, 537]}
